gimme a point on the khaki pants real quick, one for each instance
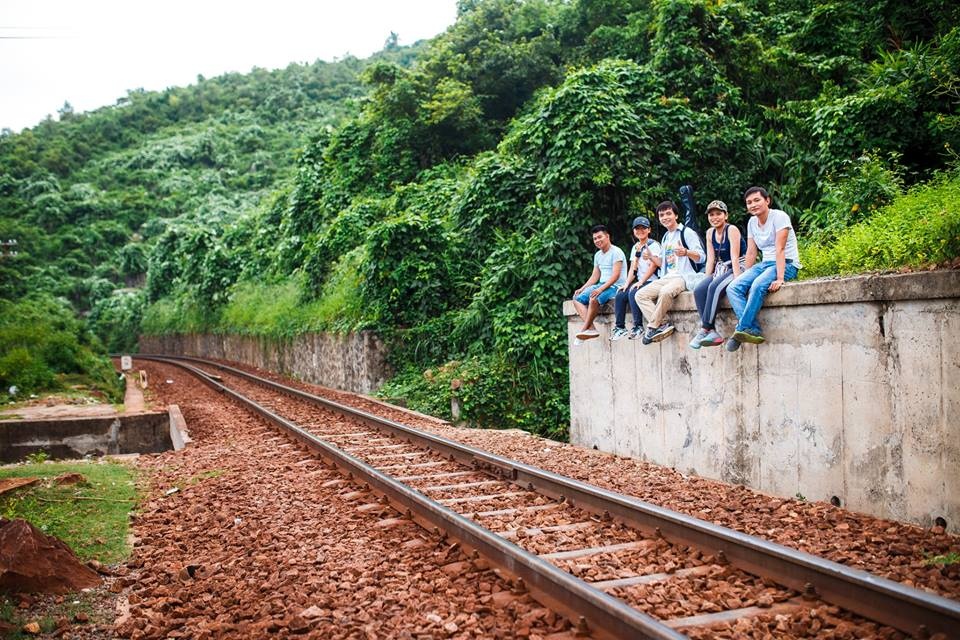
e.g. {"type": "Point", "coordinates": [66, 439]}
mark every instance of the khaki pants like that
{"type": "Point", "coordinates": [656, 298]}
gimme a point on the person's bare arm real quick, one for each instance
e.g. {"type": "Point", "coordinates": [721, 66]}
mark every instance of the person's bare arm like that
{"type": "Point", "coordinates": [781, 259]}
{"type": "Point", "coordinates": [711, 257]}
{"type": "Point", "coordinates": [734, 234]}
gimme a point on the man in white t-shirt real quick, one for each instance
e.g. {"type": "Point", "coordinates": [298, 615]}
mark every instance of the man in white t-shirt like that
{"type": "Point", "coordinates": [770, 232]}
{"type": "Point", "coordinates": [681, 250]}
{"type": "Point", "coordinates": [609, 275]}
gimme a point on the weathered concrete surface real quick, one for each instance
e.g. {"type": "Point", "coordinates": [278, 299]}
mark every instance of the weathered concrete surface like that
{"type": "Point", "coordinates": [856, 394]}
{"type": "Point", "coordinates": [352, 362]}
{"type": "Point", "coordinates": [78, 437]}
{"type": "Point", "coordinates": [179, 435]}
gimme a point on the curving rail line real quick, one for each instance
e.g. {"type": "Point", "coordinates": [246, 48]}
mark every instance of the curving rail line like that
{"type": "Point", "coordinates": [592, 610]}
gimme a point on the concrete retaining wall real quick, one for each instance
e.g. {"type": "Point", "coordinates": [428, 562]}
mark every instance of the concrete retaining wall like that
{"type": "Point", "coordinates": [354, 362]}
{"type": "Point", "coordinates": [856, 394]}
{"type": "Point", "coordinates": [78, 437]}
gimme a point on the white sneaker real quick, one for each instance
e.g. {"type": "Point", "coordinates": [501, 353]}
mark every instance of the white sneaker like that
{"type": "Point", "coordinates": [618, 334]}
{"type": "Point", "coordinates": [588, 334]}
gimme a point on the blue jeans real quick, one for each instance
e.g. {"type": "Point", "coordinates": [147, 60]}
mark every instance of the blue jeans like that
{"type": "Point", "coordinates": [605, 295]}
{"type": "Point", "coordinates": [747, 292]}
{"type": "Point", "coordinates": [620, 303]}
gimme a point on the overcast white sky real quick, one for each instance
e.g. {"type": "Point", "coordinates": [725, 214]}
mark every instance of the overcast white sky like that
{"type": "Point", "coordinates": [91, 52]}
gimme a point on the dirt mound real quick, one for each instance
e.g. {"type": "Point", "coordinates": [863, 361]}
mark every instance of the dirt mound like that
{"type": "Point", "coordinates": [31, 561]}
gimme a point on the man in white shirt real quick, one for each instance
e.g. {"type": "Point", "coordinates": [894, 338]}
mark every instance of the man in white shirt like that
{"type": "Point", "coordinates": [771, 232]}
{"type": "Point", "coordinates": [609, 275]}
{"type": "Point", "coordinates": [681, 251]}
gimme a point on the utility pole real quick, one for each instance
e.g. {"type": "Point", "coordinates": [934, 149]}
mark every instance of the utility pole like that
{"type": "Point", "coordinates": [8, 248]}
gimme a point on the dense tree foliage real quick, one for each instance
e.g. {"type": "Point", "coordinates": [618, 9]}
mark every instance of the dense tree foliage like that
{"type": "Point", "coordinates": [44, 346]}
{"type": "Point", "coordinates": [448, 208]}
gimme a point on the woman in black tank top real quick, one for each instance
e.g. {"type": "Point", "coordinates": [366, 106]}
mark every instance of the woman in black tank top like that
{"type": "Point", "coordinates": [726, 247]}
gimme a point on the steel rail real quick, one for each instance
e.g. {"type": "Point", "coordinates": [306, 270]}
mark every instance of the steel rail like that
{"type": "Point", "coordinates": [907, 609]}
{"type": "Point", "coordinates": [591, 610]}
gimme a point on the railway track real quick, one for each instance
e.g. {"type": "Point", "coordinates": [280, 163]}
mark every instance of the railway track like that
{"type": "Point", "coordinates": [614, 565]}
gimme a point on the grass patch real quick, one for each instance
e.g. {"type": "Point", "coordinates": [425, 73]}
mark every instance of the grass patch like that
{"type": "Point", "coordinates": [919, 228]}
{"type": "Point", "coordinates": [92, 517]}
{"type": "Point", "coordinates": [200, 477]}
{"type": "Point", "coordinates": [50, 612]}
{"type": "Point", "coordinates": [942, 560]}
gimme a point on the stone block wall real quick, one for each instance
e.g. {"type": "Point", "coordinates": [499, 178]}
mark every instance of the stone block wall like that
{"type": "Point", "coordinates": [353, 362]}
{"type": "Point", "coordinates": [855, 395]}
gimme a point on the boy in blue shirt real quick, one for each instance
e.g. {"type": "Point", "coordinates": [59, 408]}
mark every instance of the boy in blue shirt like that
{"type": "Point", "coordinates": [609, 275]}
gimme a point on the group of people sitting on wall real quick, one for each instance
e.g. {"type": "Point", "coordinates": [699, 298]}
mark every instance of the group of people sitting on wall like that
{"type": "Point", "coordinates": [657, 272]}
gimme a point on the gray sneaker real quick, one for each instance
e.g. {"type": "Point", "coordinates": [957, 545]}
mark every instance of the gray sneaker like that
{"type": "Point", "coordinates": [712, 339]}
{"type": "Point", "coordinates": [635, 333]}
{"type": "Point", "coordinates": [697, 339]}
{"type": "Point", "coordinates": [662, 332]}
{"type": "Point", "coordinates": [618, 334]}
{"type": "Point", "coordinates": [732, 345]}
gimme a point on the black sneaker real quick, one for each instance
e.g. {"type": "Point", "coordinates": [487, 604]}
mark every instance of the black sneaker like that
{"type": "Point", "coordinates": [647, 336]}
{"type": "Point", "coordinates": [662, 332]}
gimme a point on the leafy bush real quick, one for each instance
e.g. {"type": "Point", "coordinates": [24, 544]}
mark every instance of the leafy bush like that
{"type": "Point", "coordinates": [29, 373]}
{"type": "Point", "coordinates": [407, 278]}
{"type": "Point", "coordinates": [42, 345]}
{"type": "Point", "coordinates": [861, 188]}
{"type": "Point", "coordinates": [344, 232]}
{"type": "Point", "coordinates": [478, 383]}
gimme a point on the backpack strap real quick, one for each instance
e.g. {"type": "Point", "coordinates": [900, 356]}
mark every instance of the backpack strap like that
{"type": "Point", "coordinates": [683, 241]}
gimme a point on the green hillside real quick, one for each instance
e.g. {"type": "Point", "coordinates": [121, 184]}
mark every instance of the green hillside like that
{"type": "Point", "coordinates": [448, 208]}
{"type": "Point", "coordinates": [88, 197]}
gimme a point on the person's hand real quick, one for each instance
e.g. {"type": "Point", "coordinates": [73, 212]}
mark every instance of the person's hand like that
{"type": "Point", "coordinates": [776, 284]}
{"type": "Point", "coordinates": [595, 293]}
{"type": "Point", "coordinates": [680, 251]}
{"type": "Point", "coordinates": [577, 292]}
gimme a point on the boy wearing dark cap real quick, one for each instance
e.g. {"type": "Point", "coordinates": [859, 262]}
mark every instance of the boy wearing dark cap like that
{"type": "Point", "coordinates": [644, 262]}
